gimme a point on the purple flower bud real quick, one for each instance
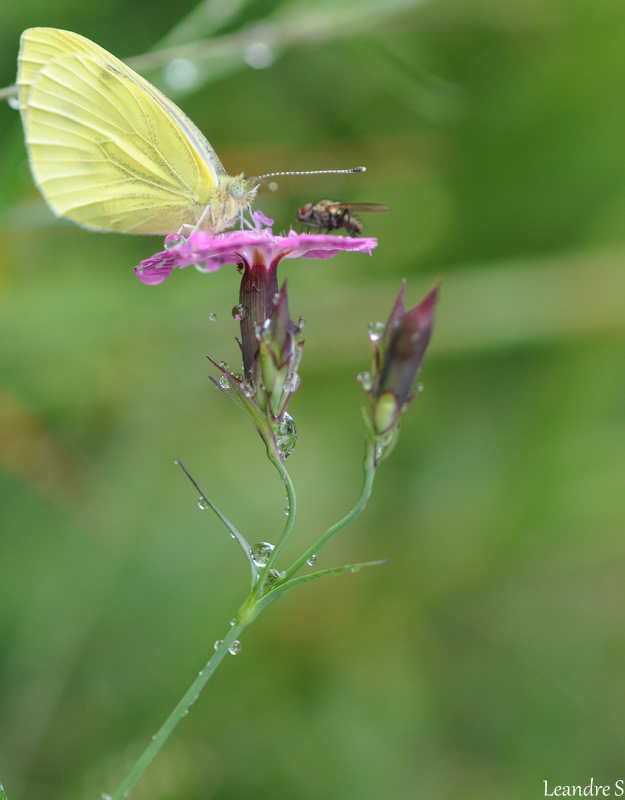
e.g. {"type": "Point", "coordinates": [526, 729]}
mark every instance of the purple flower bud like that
{"type": "Point", "coordinates": [398, 355]}
{"type": "Point", "coordinates": [278, 355]}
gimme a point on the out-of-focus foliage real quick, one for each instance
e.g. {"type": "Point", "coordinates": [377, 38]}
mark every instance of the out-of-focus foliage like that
{"type": "Point", "coordinates": [489, 654]}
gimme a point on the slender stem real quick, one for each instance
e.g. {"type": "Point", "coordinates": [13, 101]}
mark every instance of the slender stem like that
{"type": "Point", "coordinates": [190, 696]}
{"type": "Point", "coordinates": [291, 508]}
{"type": "Point", "coordinates": [369, 475]}
{"type": "Point", "coordinates": [245, 545]}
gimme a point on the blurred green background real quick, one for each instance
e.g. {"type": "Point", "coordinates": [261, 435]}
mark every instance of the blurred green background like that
{"type": "Point", "coordinates": [489, 654]}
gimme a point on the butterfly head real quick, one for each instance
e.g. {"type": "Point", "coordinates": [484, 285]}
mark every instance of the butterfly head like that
{"type": "Point", "coordinates": [230, 199]}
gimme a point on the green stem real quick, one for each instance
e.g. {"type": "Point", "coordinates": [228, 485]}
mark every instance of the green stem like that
{"type": "Point", "coordinates": [251, 608]}
{"type": "Point", "coordinates": [292, 510]}
{"type": "Point", "coordinates": [369, 475]}
{"type": "Point", "coordinates": [190, 696]}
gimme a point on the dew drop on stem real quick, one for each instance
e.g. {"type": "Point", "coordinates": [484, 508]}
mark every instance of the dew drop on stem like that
{"type": "Point", "coordinates": [260, 553]}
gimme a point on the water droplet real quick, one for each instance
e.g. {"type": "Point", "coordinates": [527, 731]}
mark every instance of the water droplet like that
{"type": "Point", "coordinates": [258, 55]}
{"type": "Point", "coordinates": [293, 383]}
{"type": "Point", "coordinates": [223, 365]}
{"type": "Point", "coordinates": [212, 316]}
{"type": "Point", "coordinates": [260, 553]}
{"type": "Point", "coordinates": [272, 577]}
{"type": "Point", "coordinates": [310, 561]}
{"type": "Point", "coordinates": [301, 322]}
{"type": "Point", "coordinates": [385, 445]}
{"type": "Point", "coordinates": [286, 435]}
{"type": "Point", "coordinates": [248, 389]}
{"type": "Point", "coordinates": [173, 240]}
{"type": "Point", "coordinates": [375, 330]}
{"type": "Point", "coordinates": [365, 380]}
{"type": "Point", "coordinates": [287, 511]}
{"type": "Point", "coordinates": [217, 644]}
{"type": "Point", "coordinates": [203, 503]}
{"type": "Point", "coordinates": [235, 647]}
{"type": "Point", "coordinates": [237, 376]}
{"type": "Point", "coordinates": [239, 312]}
{"type": "Point", "coordinates": [181, 74]}
{"type": "Point", "coordinates": [224, 382]}
{"type": "Point", "coordinates": [233, 622]}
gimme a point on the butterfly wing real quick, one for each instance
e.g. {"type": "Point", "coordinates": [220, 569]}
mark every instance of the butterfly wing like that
{"type": "Point", "coordinates": [108, 149]}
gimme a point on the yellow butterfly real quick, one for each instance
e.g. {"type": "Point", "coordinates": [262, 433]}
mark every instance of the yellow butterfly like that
{"type": "Point", "coordinates": [111, 152]}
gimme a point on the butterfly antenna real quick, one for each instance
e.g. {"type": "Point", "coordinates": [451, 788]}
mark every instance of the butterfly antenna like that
{"type": "Point", "coordinates": [310, 172]}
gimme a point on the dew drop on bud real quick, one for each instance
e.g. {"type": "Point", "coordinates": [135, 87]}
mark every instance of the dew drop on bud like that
{"type": "Point", "coordinates": [248, 389]}
{"type": "Point", "coordinates": [235, 647]}
{"type": "Point", "coordinates": [260, 553]}
{"type": "Point", "coordinates": [286, 435]}
{"type": "Point", "coordinates": [239, 312]}
{"type": "Point", "coordinates": [365, 380]}
{"type": "Point", "coordinates": [375, 331]}
{"type": "Point", "coordinates": [224, 382]}
{"type": "Point", "coordinates": [311, 560]}
{"type": "Point", "coordinates": [203, 503]}
{"type": "Point", "coordinates": [293, 383]}
{"type": "Point", "coordinates": [384, 446]}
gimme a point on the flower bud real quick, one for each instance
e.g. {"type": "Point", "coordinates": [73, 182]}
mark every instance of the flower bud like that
{"type": "Point", "coordinates": [279, 352]}
{"type": "Point", "coordinates": [398, 355]}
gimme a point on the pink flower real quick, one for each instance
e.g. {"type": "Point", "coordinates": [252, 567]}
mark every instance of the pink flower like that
{"type": "Point", "coordinates": [209, 252]}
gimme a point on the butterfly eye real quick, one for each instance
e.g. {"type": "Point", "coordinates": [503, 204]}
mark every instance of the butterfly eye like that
{"type": "Point", "coordinates": [237, 190]}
